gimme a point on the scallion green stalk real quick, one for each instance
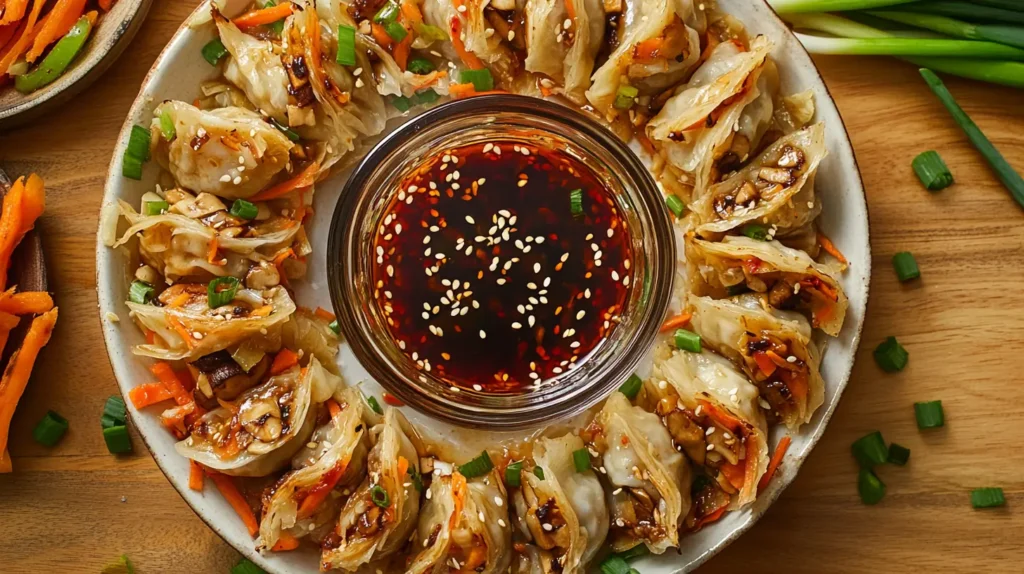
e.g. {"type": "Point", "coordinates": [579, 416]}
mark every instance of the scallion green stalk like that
{"type": "Point", "coordinates": [968, 11]}
{"type": "Point", "coordinates": [789, 6]}
{"type": "Point", "coordinates": [1009, 35]}
{"type": "Point", "coordinates": [909, 47]}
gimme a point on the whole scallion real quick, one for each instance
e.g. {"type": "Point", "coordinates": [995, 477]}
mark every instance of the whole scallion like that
{"type": "Point", "coordinates": [1009, 35]}
{"type": "Point", "coordinates": [789, 6]}
{"type": "Point", "coordinates": [970, 11]}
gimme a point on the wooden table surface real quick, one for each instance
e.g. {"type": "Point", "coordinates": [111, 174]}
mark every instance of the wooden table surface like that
{"type": "Point", "coordinates": [74, 507]}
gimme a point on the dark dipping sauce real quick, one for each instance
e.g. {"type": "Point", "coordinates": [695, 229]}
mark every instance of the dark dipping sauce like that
{"type": "Point", "coordinates": [486, 277]}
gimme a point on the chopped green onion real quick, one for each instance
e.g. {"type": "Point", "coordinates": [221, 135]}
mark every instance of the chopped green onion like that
{"type": "Point", "coordinates": [335, 327]}
{"type": "Point", "coordinates": [675, 205]}
{"type": "Point", "coordinates": [346, 46]}
{"type": "Point", "coordinates": [687, 340]}
{"type": "Point", "coordinates": [929, 415]}
{"type": "Point", "coordinates": [482, 80]}
{"type": "Point", "coordinates": [427, 96]}
{"type": "Point", "coordinates": [870, 450]}
{"type": "Point", "coordinates": [932, 171]}
{"type": "Point", "coordinates": [581, 460]}
{"type": "Point", "coordinates": [387, 13]}
{"type": "Point", "coordinates": [136, 153]}
{"type": "Point", "coordinates": [403, 103]}
{"type": "Point", "coordinates": [284, 129]}
{"type": "Point", "coordinates": [576, 202]}
{"type": "Point", "coordinates": [221, 291]}
{"type": "Point", "coordinates": [244, 209]}
{"type": "Point", "coordinates": [417, 478]}
{"type": "Point", "coordinates": [898, 454]}
{"type": "Point", "coordinates": [891, 356]}
{"type": "Point", "coordinates": [117, 439]}
{"type": "Point", "coordinates": [420, 66]}
{"type": "Point", "coordinates": [625, 97]}
{"type": "Point", "coordinates": [155, 207]}
{"type": "Point", "coordinates": [631, 388]}
{"type": "Point", "coordinates": [396, 31]}
{"type": "Point", "coordinates": [431, 33]}
{"type": "Point", "coordinates": [379, 496]}
{"type": "Point", "coordinates": [114, 412]}
{"type": "Point", "coordinates": [614, 565]}
{"type": "Point", "coordinates": [479, 466]}
{"type": "Point", "coordinates": [987, 497]}
{"type": "Point", "coordinates": [121, 566]}
{"type": "Point", "coordinates": [167, 126]}
{"type": "Point", "coordinates": [906, 266]}
{"type": "Point", "coordinates": [871, 489]}
{"type": "Point", "coordinates": [245, 566]}
{"type": "Point", "coordinates": [50, 429]}
{"type": "Point", "coordinates": [638, 551]}
{"type": "Point", "coordinates": [514, 474]}
{"type": "Point", "coordinates": [213, 51]}
{"type": "Point", "coordinates": [1010, 178]}
{"type": "Point", "coordinates": [278, 25]}
{"type": "Point", "coordinates": [538, 472]}
{"type": "Point", "coordinates": [131, 168]}
{"type": "Point", "coordinates": [372, 401]}
{"type": "Point", "coordinates": [140, 292]}
{"type": "Point", "coordinates": [755, 231]}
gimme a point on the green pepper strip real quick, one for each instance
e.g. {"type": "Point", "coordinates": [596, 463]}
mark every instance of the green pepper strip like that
{"type": "Point", "coordinates": [58, 60]}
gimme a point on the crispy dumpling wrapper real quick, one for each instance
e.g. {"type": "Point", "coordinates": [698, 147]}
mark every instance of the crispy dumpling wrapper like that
{"type": "Point", "coordinates": [309, 495]}
{"type": "Point", "coordinates": [378, 518]}
{"type": "Point", "coordinates": [776, 189]}
{"type": "Point", "coordinates": [186, 328]}
{"type": "Point", "coordinates": [470, 27]}
{"type": "Point", "coordinates": [695, 392]}
{"type": "Point", "coordinates": [565, 55]}
{"type": "Point", "coordinates": [762, 343]}
{"type": "Point", "coordinates": [785, 278]}
{"type": "Point", "coordinates": [205, 152]}
{"type": "Point", "coordinates": [463, 527]}
{"type": "Point", "coordinates": [259, 432]}
{"type": "Point", "coordinates": [564, 513]}
{"type": "Point", "coordinates": [650, 480]}
{"type": "Point", "coordinates": [255, 68]}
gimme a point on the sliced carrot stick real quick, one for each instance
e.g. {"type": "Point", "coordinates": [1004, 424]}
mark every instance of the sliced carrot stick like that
{"type": "Point", "coordinates": [265, 15]}
{"type": "Point", "coordinates": [181, 331]}
{"type": "Point", "coordinates": [7, 32]}
{"type": "Point", "coordinates": [7, 322]}
{"type": "Point", "coordinates": [333, 407]}
{"type": "Point", "coordinates": [675, 322]}
{"type": "Point", "coordinates": [324, 314]}
{"type": "Point", "coordinates": [381, 36]}
{"type": "Point", "coordinates": [25, 40]}
{"type": "Point", "coordinates": [60, 20]}
{"type": "Point", "coordinates": [14, 10]}
{"type": "Point", "coordinates": [305, 179]}
{"type": "Point", "coordinates": [15, 377]}
{"type": "Point", "coordinates": [230, 492]}
{"type": "Point", "coordinates": [33, 203]}
{"type": "Point", "coordinates": [195, 476]}
{"type": "Point", "coordinates": [830, 248]}
{"type": "Point", "coordinates": [284, 360]}
{"type": "Point", "coordinates": [10, 224]}
{"type": "Point", "coordinates": [285, 542]}
{"type": "Point", "coordinates": [26, 303]}
{"type": "Point", "coordinates": [467, 57]}
{"type": "Point", "coordinates": [461, 90]}
{"type": "Point", "coordinates": [211, 255]}
{"type": "Point", "coordinates": [773, 464]}
{"type": "Point", "coordinates": [106, 5]}
{"type": "Point", "coordinates": [648, 49]}
{"type": "Point", "coordinates": [713, 517]}
{"type": "Point", "coordinates": [166, 375]}
{"type": "Point", "coordinates": [402, 50]}
{"type": "Point", "coordinates": [5, 462]}
{"type": "Point", "coordinates": [392, 400]}
{"type": "Point", "coordinates": [149, 394]}
{"type": "Point", "coordinates": [318, 494]}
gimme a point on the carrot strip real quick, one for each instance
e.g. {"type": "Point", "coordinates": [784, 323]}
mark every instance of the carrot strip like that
{"type": "Point", "coordinates": [765, 363]}
{"type": "Point", "coordinates": [166, 375]}
{"type": "Point", "coordinates": [7, 322]}
{"type": "Point", "coordinates": [285, 542]}
{"type": "Point", "coordinates": [149, 394]}
{"type": "Point", "coordinates": [411, 13]}
{"type": "Point", "coordinates": [181, 331]}
{"type": "Point", "coordinates": [27, 303]}
{"type": "Point", "coordinates": [467, 57]}
{"type": "Point", "coordinates": [14, 10]}
{"type": "Point", "coordinates": [392, 400]}
{"type": "Point", "coordinates": [150, 336]}
{"type": "Point", "coordinates": [5, 462]}
{"type": "Point", "coordinates": [211, 254]}
{"type": "Point", "coordinates": [381, 36]}
{"type": "Point", "coordinates": [830, 248]}
{"type": "Point", "coordinates": [19, 368]}
{"type": "Point", "coordinates": [195, 476]}
{"type": "Point", "coordinates": [721, 416]}
{"type": "Point", "coordinates": [6, 33]}
{"type": "Point", "coordinates": [230, 492]}
{"type": "Point", "coordinates": [333, 407]}
{"type": "Point", "coordinates": [714, 516]}
{"type": "Point", "coordinates": [324, 314]}
{"type": "Point", "coordinates": [265, 15]}
{"type": "Point", "coordinates": [401, 52]}
{"type": "Point", "coordinates": [60, 20]}
{"type": "Point", "coordinates": [648, 49]}
{"type": "Point", "coordinates": [284, 360]}
{"type": "Point", "coordinates": [10, 223]}
{"type": "Point", "coordinates": [776, 460]}
{"type": "Point", "coordinates": [27, 34]}
{"type": "Point", "coordinates": [461, 90]}
{"type": "Point", "coordinates": [106, 5]}
{"type": "Point", "coordinates": [734, 473]}
{"type": "Point", "coordinates": [675, 322]}
{"type": "Point", "coordinates": [318, 494]}
{"type": "Point", "coordinates": [33, 201]}
{"type": "Point", "coordinates": [305, 179]}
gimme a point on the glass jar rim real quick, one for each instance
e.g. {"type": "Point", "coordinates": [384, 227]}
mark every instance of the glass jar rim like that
{"type": "Point", "coordinates": [352, 302]}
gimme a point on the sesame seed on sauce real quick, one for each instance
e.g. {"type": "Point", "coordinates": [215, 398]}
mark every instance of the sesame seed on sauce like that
{"type": "Point", "coordinates": [509, 238]}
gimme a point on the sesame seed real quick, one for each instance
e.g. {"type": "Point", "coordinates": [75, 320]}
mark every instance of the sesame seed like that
{"type": "Point", "coordinates": [499, 501]}
{"type": "Point", "coordinates": [536, 267]}
{"type": "Point", "coordinates": [225, 178]}
{"type": "Point", "coordinates": [580, 314]}
{"type": "Point", "coordinates": [237, 180]}
{"type": "Point", "coordinates": [517, 325]}
{"type": "Point", "coordinates": [501, 523]}
{"type": "Point", "coordinates": [547, 527]}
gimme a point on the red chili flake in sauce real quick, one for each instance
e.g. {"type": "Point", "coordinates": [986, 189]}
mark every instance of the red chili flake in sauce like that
{"type": "Point", "coordinates": [486, 277]}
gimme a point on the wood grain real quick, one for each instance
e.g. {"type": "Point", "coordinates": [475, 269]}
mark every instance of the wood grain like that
{"type": "Point", "coordinates": [74, 507]}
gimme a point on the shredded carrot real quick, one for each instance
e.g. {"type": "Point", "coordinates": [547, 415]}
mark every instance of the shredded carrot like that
{"type": "Point", "coordinates": [5, 462]}
{"type": "Point", "coordinates": [284, 360]}
{"type": "Point", "coordinates": [7, 322]}
{"type": "Point", "coordinates": [230, 492]}
{"type": "Point", "coordinates": [285, 542]}
{"type": "Point", "coordinates": [713, 517]}
{"type": "Point", "coordinates": [149, 394]}
{"type": "Point", "coordinates": [776, 460]}
{"type": "Point", "coordinates": [459, 488]}
{"type": "Point", "coordinates": [6, 33]}
{"type": "Point", "coordinates": [461, 90]}
{"type": "Point", "coordinates": [381, 36]}
{"type": "Point", "coordinates": [305, 179]}
{"type": "Point", "coordinates": [324, 314]}
{"type": "Point", "coordinates": [106, 5]}
{"type": "Point", "coordinates": [14, 10]}
{"type": "Point", "coordinates": [280, 257]}
{"type": "Point", "coordinates": [150, 336]}
{"type": "Point", "coordinates": [178, 300]}
{"type": "Point", "coordinates": [195, 476]}
{"type": "Point", "coordinates": [318, 494]}
{"type": "Point", "coordinates": [10, 224]}
{"type": "Point", "coordinates": [467, 57]}
{"type": "Point", "coordinates": [765, 363]}
{"type": "Point", "coordinates": [721, 416]}
{"type": "Point", "coordinates": [17, 48]}
{"type": "Point", "coordinates": [734, 473]}
{"type": "Point", "coordinates": [180, 330]}
{"type": "Point", "coordinates": [211, 255]}
{"type": "Point", "coordinates": [61, 18]}
{"type": "Point", "coordinates": [403, 467]}
{"type": "Point", "coordinates": [392, 400]}
{"type": "Point", "coordinates": [27, 303]}
{"type": "Point", "coordinates": [16, 375]}
{"type": "Point", "coordinates": [675, 322]}
{"type": "Point", "coordinates": [830, 248]}
{"type": "Point", "coordinates": [33, 203]}
{"type": "Point", "coordinates": [264, 16]}
{"type": "Point", "coordinates": [402, 50]}
{"type": "Point", "coordinates": [333, 407]}
{"type": "Point", "coordinates": [166, 375]}
{"type": "Point", "coordinates": [411, 13]}
{"type": "Point", "coordinates": [648, 49]}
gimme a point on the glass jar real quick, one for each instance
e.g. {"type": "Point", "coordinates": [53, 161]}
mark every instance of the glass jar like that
{"type": "Point", "coordinates": [373, 186]}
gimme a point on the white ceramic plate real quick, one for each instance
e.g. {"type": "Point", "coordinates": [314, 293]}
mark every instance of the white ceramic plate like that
{"type": "Point", "coordinates": [177, 74]}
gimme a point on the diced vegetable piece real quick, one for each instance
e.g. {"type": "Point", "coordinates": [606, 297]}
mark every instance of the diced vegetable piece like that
{"type": "Point", "coordinates": [140, 292]}
{"type": "Point", "coordinates": [891, 356]}
{"type": "Point", "coordinates": [380, 496]}
{"type": "Point", "coordinates": [420, 66]}
{"type": "Point", "coordinates": [388, 12]}
{"type": "Point", "coordinates": [155, 207]}
{"type": "Point", "coordinates": [581, 460]}
{"type": "Point", "coordinates": [396, 31]}
{"type": "Point", "coordinates": [625, 97]}
{"type": "Point", "coordinates": [136, 153]}
{"type": "Point", "coordinates": [427, 96]}
{"type": "Point", "coordinates": [905, 266]}
{"type": "Point", "coordinates": [481, 79]}
{"type": "Point", "coordinates": [932, 171]}
{"type": "Point", "coordinates": [675, 205]}
{"type": "Point", "coordinates": [576, 201]}
{"type": "Point", "coordinates": [372, 401]}
{"type": "Point", "coordinates": [346, 46]}
{"type": "Point", "coordinates": [335, 327]}
{"type": "Point", "coordinates": [479, 466]}
{"type": "Point", "coordinates": [57, 61]}
{"type": "Point", "coordinates": [277, 26]}
{"type": "Point", "coordinates": [538, 472]}
{"type": "Point", "coordinates": [614, 565]}
{"type": "Point", "coordinates": [687, 340]}
{"type": "Point", "coordinates": [632, 386]}
{"type": "Point", "coordinates": [755, 231]}
{"type": "Point", "coordinates": [167, 126]}
{"type": "Point", "coordinates": [402, 103]}
{"type": "Point", "coordinates": [290, 134]}
{"type": "Point", "coordinates": [898, 454]}
{"type": "Point", "coordinates": [117, 439]}
{"type": "Point", "coordinates": [213, 51]}
{"type": "Point", "coordinates": [50, 429]}
{"type": "Point", "coordinates": [245, 566]}
{"type": "Point", "coordinates": [871, 489]}
{"type": "Point", "coordinates": [514, 474]}
{"type": "Point", "coordinates": [431, 33]}
{"type": "Point", "coordinates": [987, 498]}
{"type": "Point", "coordinates": [929, 415]}
{"type": "Point", "coordinates": [221, 291]}
{"type": "Point", "coordinates": [870, 450]}
{"type": "Point", "coordinates": [114, 412]}
{"type": "Point", "coordinates": [244, 209]}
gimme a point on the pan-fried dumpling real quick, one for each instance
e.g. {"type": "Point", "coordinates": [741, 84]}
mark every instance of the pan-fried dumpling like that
{"type": "Point", "coordinates": [563, 513]}
{"type": "Point", "coordinates": [712, 412]}
{"type": "Point", "coordinates": [255, 67]}
{"type": "Point", "coordinates": [185, 327]}
{"type": "Point", "coordinates": [776, 189]}
{"type": "Point", "coordinates": [379, 517]}
{"type": "Point", "coordinates": [786, 278]}
{"type": "Point", "coordinates": [481, 45]}
{"type": "Point", "coordinates": [229, 152]}
{"type": "Point", "coordinates": [260, 431]}
{"type": "Point", "coordinates": [566, 55]}
{"type": "Point", "coordinates": [463, 527]}
{"type": "Point", "coordinates": [774, 349]}
{"type": "Point", "coordinates": [310, 497]}
{"type": "Point", "coordinates": [650, 480]}
{"type": "Point", "coordinates": [656, 49]}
